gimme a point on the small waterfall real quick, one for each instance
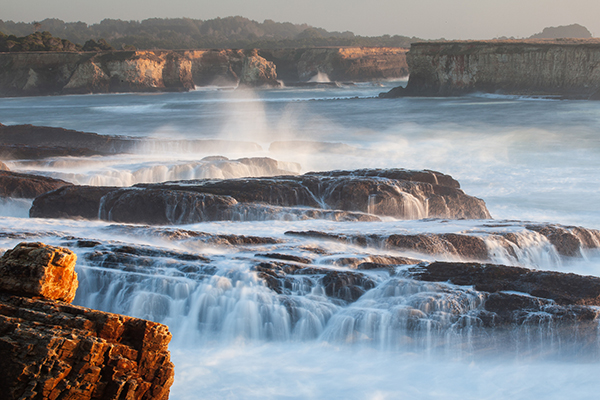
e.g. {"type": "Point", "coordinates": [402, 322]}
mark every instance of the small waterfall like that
{"type": "Point", "coordinates": [527, 248]}
{"type": "Point", "coordinates": [224, 300]}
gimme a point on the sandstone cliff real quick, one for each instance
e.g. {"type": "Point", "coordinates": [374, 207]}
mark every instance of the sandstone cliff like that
{"type": "Point", "coordinates": [53, 350]}
{"type": "Point", "coordinates": [42, 73]}
{"type": "Point", "coordinates": [339, 63]}
{"type": "Point", "coordinates": [568, 68]}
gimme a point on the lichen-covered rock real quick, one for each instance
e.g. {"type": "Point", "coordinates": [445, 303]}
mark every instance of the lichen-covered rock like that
{"type": "Point", "coordinates": [38, 270]}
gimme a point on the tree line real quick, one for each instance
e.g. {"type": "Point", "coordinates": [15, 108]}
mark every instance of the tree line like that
{"type": "Point", "coordinates": [185, 33]}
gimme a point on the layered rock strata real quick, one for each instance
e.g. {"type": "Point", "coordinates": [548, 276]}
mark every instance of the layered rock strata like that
{"type": "Point", "coordinates": [567, 68]}
{"type": "Point", "coordinates": [341, 195]}
{"type": "Point", "coordinates": [51, 349]}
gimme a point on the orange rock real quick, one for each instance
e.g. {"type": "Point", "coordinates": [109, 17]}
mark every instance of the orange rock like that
{"type": "Point", "coordinates": [38, 270]}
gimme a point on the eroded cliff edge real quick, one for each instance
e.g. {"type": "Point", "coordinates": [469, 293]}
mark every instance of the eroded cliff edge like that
{"type": "Point", "coordinates": [55, 73]}
{"type": "Point", "coordinates": [44, 73]}
{"type": "Point", "coordinates": [568, 68]}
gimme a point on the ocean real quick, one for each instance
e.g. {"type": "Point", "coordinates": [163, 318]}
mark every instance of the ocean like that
{"type": "Point", "coordinates": [530, 159]}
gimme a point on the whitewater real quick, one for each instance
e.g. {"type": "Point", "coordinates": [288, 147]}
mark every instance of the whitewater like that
{"type": "Point", "coordinates": [529, 159]}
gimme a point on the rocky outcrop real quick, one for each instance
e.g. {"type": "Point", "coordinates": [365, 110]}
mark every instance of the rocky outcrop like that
{"type": "Point", "coordinates": [27, 186]}
{"type": "Point", "coordinates": [484, 245]}
{"type": "Point", "coordinates": [567, 68]}
{"type": "Point", "coordinates": [518, 295]}
{"type": "Point", "coordinates": [3, 167]}
{"type": "Point", "coordinates": [357, 64]}
{"type": "Point", "coordinates": [340, 195]}
{"type": "Point", "coordinates": [51, 349]}
{"type": "Point", "coordinates": [46, 139]}
{"type": "Point", "coordinates": [36, 142]}
{"type": "Point", "coordinates": [256, 71]}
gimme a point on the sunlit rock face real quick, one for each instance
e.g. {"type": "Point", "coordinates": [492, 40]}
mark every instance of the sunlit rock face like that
{"type": "Point", "coordinates": [51, 349]}
{"type": "Point", "coordinates": [567, 68]}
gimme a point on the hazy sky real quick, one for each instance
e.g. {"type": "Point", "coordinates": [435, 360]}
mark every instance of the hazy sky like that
{"type": "Point", "coordinates": [430, 19]}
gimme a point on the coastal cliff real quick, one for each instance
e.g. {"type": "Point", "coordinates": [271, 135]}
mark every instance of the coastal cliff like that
{"type": "Point", "coordinates": [55, 73]}
{"type": "Point", "coordinates": [47, 73]}
{"type": "Point", "coordinates": [568, 68]}
{"type": "Point", "coordinates": [339, 63]}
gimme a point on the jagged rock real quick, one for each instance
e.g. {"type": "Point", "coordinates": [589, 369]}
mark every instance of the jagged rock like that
{"type": "Point", "coordinates": [256, 71]}
{"type": "Point", "coordinates": [3, 167]}
{"type": "Point", "coordinates": [37, 270]}
{"type": "Point", "coordinates": [13, 184]}
{"type": "Point", "coordinates": [562, 288]}
{"type": "Point", "coordinates": [51, 349]}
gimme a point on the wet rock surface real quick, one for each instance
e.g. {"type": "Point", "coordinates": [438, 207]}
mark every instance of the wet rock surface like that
{"type": "Point", "coordinates": [564, 289]}
{"type": "Point", "coordinates": [13, 184]}
{"type": "Point", "coordinates": [338, 195]}
{"type": "Point", "coordinates": [52, 349]}
{"type": "Point", "coordinates": [70, 202]}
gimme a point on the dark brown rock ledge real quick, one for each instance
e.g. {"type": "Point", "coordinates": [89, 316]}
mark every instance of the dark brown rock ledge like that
{"type": "Point", "coordinates": [51, 349]}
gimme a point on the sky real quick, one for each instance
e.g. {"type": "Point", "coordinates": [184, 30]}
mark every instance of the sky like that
{"type": "Point", "coordinates": [428, 19]}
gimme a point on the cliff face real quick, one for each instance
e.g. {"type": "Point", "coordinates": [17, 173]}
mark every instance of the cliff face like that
{"type": "Point", "coordinates": [30, 74]}
{"type": "Point", "coordinates": [569, 68]}
{"type": "Point", "coordinates": [339, 63]}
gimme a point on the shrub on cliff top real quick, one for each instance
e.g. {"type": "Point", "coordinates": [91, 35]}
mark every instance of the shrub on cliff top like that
{"type": "Point", "coordinates": [38, 41]}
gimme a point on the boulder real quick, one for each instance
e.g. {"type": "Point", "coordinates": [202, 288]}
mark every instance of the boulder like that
{"type": "Point", "coordinates": [51, 349]}
{"type": "Point", "coordinates": [13, 184]}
